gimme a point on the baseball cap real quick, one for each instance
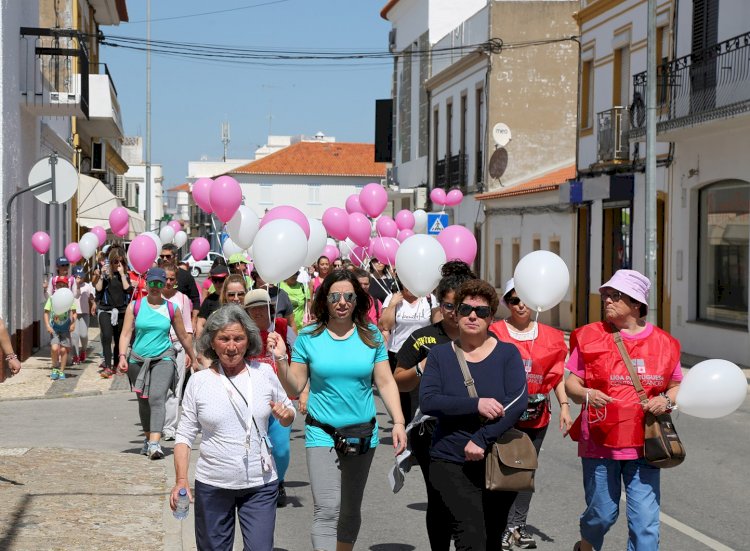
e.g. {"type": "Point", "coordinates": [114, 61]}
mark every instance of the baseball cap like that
{"type": "Point", "coordinates": [60, 279]}
{"type": "Point", "coordinates": [156, 274]}
{"type": "Point", "coordinates": [257, 297]}
{"type": "Point", "coordinates": [77, 271]}
{"type": "Point", "coordinates": [237, 258]}
{"type": "Point", "coordinates": [219, 271]}
{"type": "Point", "coordinates": [62, 261]}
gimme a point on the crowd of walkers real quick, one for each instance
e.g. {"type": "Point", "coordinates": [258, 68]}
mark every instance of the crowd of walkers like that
{"type": "Point", "coordinates": [323, 343]}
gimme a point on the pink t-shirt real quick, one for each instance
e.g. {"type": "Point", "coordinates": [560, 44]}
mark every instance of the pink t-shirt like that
{"type": "Point", "coordinates": [373, 314]}
{"type": "Point", "coordinates": [185, 305]}
{"type": "Point", "coordinates": [586, 446]}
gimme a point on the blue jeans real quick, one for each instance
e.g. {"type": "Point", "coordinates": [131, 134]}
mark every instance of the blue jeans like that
{"type": "Point", "coordinates": [214, 517]}
{"type": "Point", "coordinates": [279, 436]}
{"type": "Point", "coordinates": [602, 484]}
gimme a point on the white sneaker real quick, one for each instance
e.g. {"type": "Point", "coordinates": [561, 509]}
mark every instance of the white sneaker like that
{"type": "Point", "coordinates": [155, 451]}
{"type": "Point", "coordinates": [168, 436]}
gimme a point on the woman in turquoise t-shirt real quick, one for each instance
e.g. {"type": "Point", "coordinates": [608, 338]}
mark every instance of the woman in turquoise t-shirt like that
{"type": "Point", "coordinates": [151, 364]}
{"type": "Point", "coordinates": [342, 353]}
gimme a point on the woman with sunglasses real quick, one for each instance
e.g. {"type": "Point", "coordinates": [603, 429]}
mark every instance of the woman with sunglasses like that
{"type": "Point", "coordinates": [468, 426]}
{"type": "Point", "coordinates": [212, 302]}
{"type": "Point", "coordinates": [410, 364]}
{"type": "Point", "coordinates": [341, 353]}
{"type": "Point", "coordinates": [233, 290]}
{"type": "Point", "coordinates": [610, 429]}
{"type": "Point", "coordinates": [543, 351]}
{"type": "Point", "coordinates": [112, 296]}
{"type": "Point", "coordinates": [151, 365]}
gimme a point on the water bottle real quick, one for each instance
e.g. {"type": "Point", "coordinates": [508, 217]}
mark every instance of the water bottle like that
{"type": "Point", "coordinates": [183, 505]}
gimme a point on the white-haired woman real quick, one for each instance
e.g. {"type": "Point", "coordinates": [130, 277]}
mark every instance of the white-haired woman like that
{"type": "Point", "coordinates": [231, 404]}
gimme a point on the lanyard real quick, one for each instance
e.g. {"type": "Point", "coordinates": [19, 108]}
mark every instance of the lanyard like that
{"type": "Point", "coordinates": [248, 422]}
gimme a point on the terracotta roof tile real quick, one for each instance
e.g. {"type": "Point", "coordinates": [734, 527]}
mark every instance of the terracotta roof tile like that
{"type": "Point", "coordinates": [182, 187]}
{"type": "Point", "coordinates": [547, 182]}
{"type": "Point", "coordinates": [318, 159]}
{"type": "Point", "coordinates": [387, 8]}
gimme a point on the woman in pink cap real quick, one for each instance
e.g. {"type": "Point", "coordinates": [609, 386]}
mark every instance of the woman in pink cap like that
{"type": "Point", "coordinates": [610, 429]}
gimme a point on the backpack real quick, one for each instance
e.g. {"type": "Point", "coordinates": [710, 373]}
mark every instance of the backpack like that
{"type": "Point", "coordinates": [170, 309]}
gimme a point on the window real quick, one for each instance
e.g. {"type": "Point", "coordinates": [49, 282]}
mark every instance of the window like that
{"type": "Point", "coordinates": [662, 59]}
{"type": "Point", "coordinates": [266, 197]}
{"type": "Point", "coordinates": [587, 94]}
{"type": "Point", "coordinates": [499, 264]}
{"type": "Point", "coordinates": [536, 244]}
{"type": "Point", "coordinates": [724, 237]}
{"type": "Point", "coordinates": [448, 130]}
{"type": "Point", "coordinates": [313, 194]}
{"type": "Point", "coordinates": [479, 137]}
{"type": "Point", "coordinates": [621, 71]}
{"type": "Point", "coordinates": [516, 253]}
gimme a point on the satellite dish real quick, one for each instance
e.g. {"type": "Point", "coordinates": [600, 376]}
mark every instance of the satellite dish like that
{"type": "Point", "coordinates": [501, 134]}
{"type": "Point", "coordinates": [58, 179]}
{"type": "Point", "coordinates": [498, 163]}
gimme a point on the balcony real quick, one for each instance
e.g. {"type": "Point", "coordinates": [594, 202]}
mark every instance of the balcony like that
{"type": "Point", "coordinates": [711, 85]}
{"type": "Point", "coordinates": [450, 172]}
{"type": "Point", "coordinates": [612, 144]}
{"type": "Point", "coordinates": [105, 118]}
{"type": "Point", "coordinates": [54, 78]}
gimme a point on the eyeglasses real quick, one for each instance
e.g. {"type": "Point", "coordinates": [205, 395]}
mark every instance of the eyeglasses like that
{"type": "Point", "coordinates": [615, 296]}
{"type": "Point", "coordinates": [165, 256]}
{"type": "Point", "coordinates": [513, 301]}
{"type": "Point", "coordinates": [235, 294]}
{"type": "Point", "coordinates": [466, 310]}
{"type": "Point", "coordinates": [448, 306]}
{"type": "Point", "coordinates": [335, 297]}
{"type": "Point", "coordinates": [156, 284]}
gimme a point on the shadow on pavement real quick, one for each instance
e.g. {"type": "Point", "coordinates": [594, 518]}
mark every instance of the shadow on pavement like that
{"type": "Point", "coordinates": [392, 547]}
{"type": "Point", "coordinates": [15, 522]}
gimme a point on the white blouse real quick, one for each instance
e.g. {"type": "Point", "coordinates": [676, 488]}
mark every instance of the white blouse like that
{"type": "Point", "coordinates": [225, 459]}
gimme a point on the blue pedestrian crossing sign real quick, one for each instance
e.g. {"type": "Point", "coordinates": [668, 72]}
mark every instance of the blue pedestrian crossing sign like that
{"type": "Point", "coordinates": [436, 222]}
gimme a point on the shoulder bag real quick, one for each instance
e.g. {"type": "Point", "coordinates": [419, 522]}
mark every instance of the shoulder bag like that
{"type": "Point", "coordinates": [662, 446]}
{"type": "Point", "coordinates": [511, 461]}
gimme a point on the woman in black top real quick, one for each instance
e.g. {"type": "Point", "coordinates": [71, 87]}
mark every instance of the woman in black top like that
{"type": "Point", "coordinates": [468, 426]}
{"type": "Point", "coordinates": [112, 297]}
{"type": "Point", "coordinates": [381, 280]}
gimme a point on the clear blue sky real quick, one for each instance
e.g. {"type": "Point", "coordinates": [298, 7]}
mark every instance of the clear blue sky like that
{"type": "Point", "coordinates": [190, 99]}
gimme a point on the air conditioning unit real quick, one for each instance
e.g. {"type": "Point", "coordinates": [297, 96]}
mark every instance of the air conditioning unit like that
{"type": "Point", "coordinates": [64, 98]}
{"type": "Point", "coordinates": [384, 182]}
{"type": "Point", "coordinates": [120, 187]}
{"type": "Point", "coordinates": [98, 156]}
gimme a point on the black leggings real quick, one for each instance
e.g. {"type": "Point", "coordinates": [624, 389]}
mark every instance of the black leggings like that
{"type": "Point", "coordinates": [109, 332]}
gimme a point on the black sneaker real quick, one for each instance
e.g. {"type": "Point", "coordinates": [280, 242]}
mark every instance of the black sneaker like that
{"type": "Point", "coordinates": [281, 498]}
{"type": "Point", "coordinates": [523, 538]}
{"type": "Point", "coordinates": [507, 540]}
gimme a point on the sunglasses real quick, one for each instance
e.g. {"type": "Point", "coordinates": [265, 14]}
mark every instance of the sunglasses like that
{"type": "Point", "coordinates": [614, 295]}
{"type": "Point", "coordinates": [466, 310]}
{"type": "Point", "coordinates": [336, 297]}
{"type": "Point", "coordinates": [235, 294]}
{"type": "Point", "coordinates": [165, 256]}
{"type": "Point", "coordinates": [448, 306]}
{"type": "Point", "coordinates": [513, 301]}
{"type": "Point", "coordinates": [218, 279]}
{"type": "Point", "coordinates": [156, 284]}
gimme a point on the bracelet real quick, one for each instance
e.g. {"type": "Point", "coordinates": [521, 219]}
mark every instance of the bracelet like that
{"type": "Point", "coordinates": [284, 358]}
{"type": "Point", "coordinates": [11, 357]}
{"type": "Point", "coordinates": [564, 404]}
{"type": "Point", "coordinates": [400, 424]}
{"type": "Point", "coordinates": [670, 405]}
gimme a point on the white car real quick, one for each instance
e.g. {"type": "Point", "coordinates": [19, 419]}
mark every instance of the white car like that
{"type": "Point", "coordinates": [198, 267]}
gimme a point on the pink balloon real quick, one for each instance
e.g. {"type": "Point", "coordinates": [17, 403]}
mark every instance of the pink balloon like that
{"type": "Point", "coordinates": [40, 241]}
{"type": "Point", "coordinates": [373, 199]}
{"type": "Point", "coordinates": [405, 220]}
{"type": "Point", "coordinates": [454, 197]}
{"type": "Point", "coordinates": [438, 196]}
{"type": "Point", "coordinates": [386, 227]}
{"type": "Point", "coordinates": [384, 249]}
{"type": "Point", "coordinates": [404, 235]}
{"type": "Point", "coordinates": [226, 197]}
{"type": "Point", "coordinates": [358, 255]}
{"type": "Point", "coordinates": [176, 225]}
{"type": "Point", "coordinates": [286, 212]}
{"type": "Point", "coordinates": [207, 283]}
{"type": "Point", "coordinates": [336, 223]}
{"type": "Point", "coordinates": [73, 252]}
{"type": "Point", "coordinates": [359, 228]}
{"type": "Point", "coordinates": [332, 252]}
{"type": "Point", "coordinates": [199, 248]}
{"type": "Point", "coordinates": [201, 193]}
{"type": "Point", "coordinates": [142, 253]}
{"type": "Point", "coordinates": [353, 205]}
{"type": "Point", "coordinates": [119, 219]}
{"type": "Point", "coordinates": [458, 243]}
{"type": "Point", "coordinates": [100, 233]}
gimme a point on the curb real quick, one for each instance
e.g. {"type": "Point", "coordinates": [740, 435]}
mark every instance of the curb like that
{"type": "Point", "coordinates": [83, 394]}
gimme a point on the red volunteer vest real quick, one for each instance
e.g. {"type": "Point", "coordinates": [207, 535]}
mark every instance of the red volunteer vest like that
{"type": "Point", "coordinates": [544, 362]}
{"type": "Point", "coordinates": [654, 359]}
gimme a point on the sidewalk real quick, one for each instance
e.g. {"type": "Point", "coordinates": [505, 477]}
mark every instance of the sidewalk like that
{"type": "Point", "coordinates": [33, 381]}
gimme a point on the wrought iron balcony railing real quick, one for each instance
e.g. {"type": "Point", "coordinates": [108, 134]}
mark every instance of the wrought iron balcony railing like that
{"type": "Point", "coordinates": [710, 84]}
{"type": "Point", "coordinates": [612, 135]}
{"type": "Point", "coordinates": [450, 172]}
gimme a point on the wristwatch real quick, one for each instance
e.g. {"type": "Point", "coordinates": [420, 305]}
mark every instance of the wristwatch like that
{"type": "Point", "coordinates": [418, 370]}
{"type": "Point", "coordinates": [285, 357]}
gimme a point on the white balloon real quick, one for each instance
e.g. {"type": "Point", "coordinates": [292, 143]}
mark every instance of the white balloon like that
{"type": "Point", "coordinates": [332, 242]}
{"type": "Point", "coordinates": [712, 389]}
{"type": "Point", "coordinates": [88, 244]}
{"type": "Point", "coordinates": [180, 238]}
{"type": "Point", "coordinates": [418, 262]}
{"type": "Point", "coordinates": [166, 234]}
{"type": "Point", "coordinates": [317, 241]}
{"type": "Point", "coordinates": [541, 280]}
{"type": "Point", "coordinates": [420, 221]}
{"type": "Point", "coordinates": [243, 226]}
{"type": "Point", "coordinates": [230, 247]}
{"type": "Point", "coordinates": [62, 300]}
{"type": "Point", "coordinates": [279, 249]}
{"type": "Point", "coordinates": [156, 240]}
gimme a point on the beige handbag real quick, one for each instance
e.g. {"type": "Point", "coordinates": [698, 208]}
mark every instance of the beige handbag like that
{"type": "Point", "coordinates": [510, 464]}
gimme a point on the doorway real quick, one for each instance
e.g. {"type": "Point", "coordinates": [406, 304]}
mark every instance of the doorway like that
{"type": "Point", "coordinates": [583, 228]}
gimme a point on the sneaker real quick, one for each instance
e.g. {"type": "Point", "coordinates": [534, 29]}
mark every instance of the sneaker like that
{"type": "Point", "coordinates": [168, 436]}
{"type": "Point", "coordinates": [155, 451]}
{"type": "Point", "coordinates": [76, 360]}
{"type": "Point", "coordinates": [54, 374]}
{"type": "Point", "coordinates": [106, 373]}
{"type": "Point", "coordinates": [144, 448]}
{"type": "Point", "coordinates": [281, 498]}
{"type": "Point", "coordinates": [61, 375]}
{"type": "Point", "coordinates": [524, 540]}
{"type": "Point", "coordinates": [507, 540]}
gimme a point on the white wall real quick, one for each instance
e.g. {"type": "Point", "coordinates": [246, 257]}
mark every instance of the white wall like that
{"type": "Point", "coordinates": [138, 173]}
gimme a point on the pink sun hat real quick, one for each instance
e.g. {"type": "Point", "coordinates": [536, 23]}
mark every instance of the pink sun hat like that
{"type": "Point", "coordinates": [632, 283]}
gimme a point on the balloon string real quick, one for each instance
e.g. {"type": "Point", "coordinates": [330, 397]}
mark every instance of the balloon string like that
{"type": "Point", "coordinates": [536, 323]}
{"type": "Point", "coordinates": [395, 279]}
{"type": "Point", "coordinates": [273, 326]}
{"type": "Point", "coordinates": [367, 258]}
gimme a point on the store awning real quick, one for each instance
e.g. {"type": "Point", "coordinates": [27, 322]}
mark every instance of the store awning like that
{"type": "Point", "coordinates": [96, 201]}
